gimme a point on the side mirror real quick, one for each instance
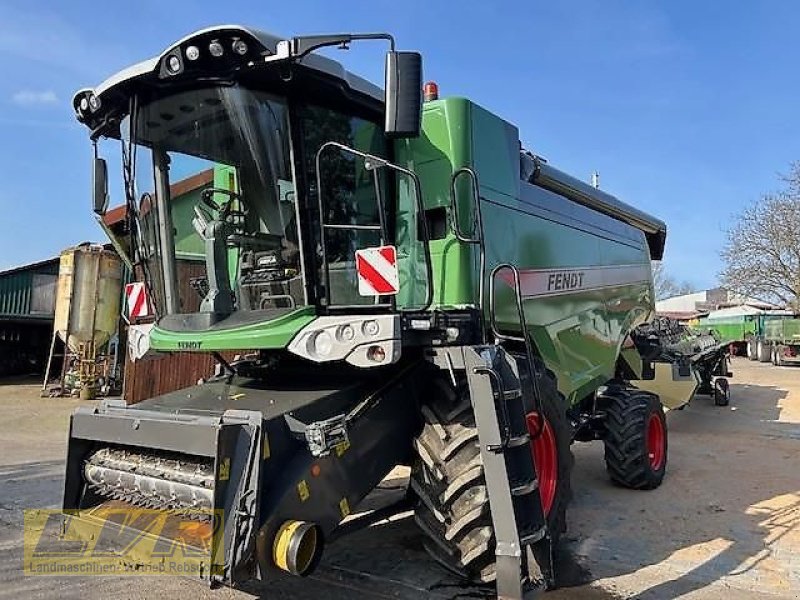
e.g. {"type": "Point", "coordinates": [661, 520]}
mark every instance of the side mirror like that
{"type": "Point", "coordinates": [100, 187]}
{"type": "Point", "coordinates": [403, 100]}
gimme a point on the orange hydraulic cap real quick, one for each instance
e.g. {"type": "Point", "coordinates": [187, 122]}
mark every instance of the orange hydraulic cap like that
{"type": "Point", "coordinates": [430, 91]}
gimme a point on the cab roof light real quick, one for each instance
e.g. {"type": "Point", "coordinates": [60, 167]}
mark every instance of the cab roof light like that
{"type": "Point", "coordinates": [216, 49]}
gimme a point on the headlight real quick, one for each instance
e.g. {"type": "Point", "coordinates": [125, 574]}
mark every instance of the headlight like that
{"type": "Point", "coordinates": [346, 333]}
{"type": "Point", "coordinates": [323, 343]}
{"type": "Point", "coordinates": [370, 328]}
{"type": "Point", "coordinates": [192, 53]}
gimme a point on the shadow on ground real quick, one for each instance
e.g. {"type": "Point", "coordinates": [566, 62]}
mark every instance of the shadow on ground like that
{"type": "Point", "coordinates": [726, 512]}
{"type": "Point", "coordinates": [723, 513]}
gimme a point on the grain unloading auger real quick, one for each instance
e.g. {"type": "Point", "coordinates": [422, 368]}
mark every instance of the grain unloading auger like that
{"type": "Point", "coordinates": [404, 284]}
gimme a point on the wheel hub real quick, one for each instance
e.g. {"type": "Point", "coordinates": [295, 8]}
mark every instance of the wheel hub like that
{"type": "Point", "coordinates": [655, 442]}
{"type": "Point", "coordinates": [545, 458]}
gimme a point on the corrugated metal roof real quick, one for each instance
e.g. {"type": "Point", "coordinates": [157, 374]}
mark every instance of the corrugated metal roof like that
{"type": "Point", "coordinates": [32, 266]}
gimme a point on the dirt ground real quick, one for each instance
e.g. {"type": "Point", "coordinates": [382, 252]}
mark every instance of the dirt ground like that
{"type": "Point", "coordinates": [725, 523]}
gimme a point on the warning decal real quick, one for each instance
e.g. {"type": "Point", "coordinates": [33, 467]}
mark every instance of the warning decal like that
{"type": "Point", "coordinates": [377, 271]}
{"type": "Point", "coordinates": [139, 304]}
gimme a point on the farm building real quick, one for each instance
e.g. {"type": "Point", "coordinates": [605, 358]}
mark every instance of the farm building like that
{"type": "Point", "coordinates": [27, 309]}
{"type": "Point", "coordinates": [688, 307]}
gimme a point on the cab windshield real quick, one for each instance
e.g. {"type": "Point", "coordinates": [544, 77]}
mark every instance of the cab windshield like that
{"type": "Point", "coordinates": [210, 180]}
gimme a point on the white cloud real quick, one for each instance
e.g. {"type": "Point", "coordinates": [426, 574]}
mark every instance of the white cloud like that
{"type": "Point", "coordinates": [35, 98]}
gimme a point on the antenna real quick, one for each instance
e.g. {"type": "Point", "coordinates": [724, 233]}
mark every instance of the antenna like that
{"type": "Point", "coordinates": [596, 179]}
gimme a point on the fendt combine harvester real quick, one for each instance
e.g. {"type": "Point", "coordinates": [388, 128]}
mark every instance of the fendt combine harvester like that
{"type": "Point", "coordinates": [407, 286]}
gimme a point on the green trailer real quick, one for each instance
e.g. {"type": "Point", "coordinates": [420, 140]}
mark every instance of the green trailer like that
{"type": "Point", "coordinates": [405, 285]}
{"type": "Point", "coordinates": [782, 337]}
{"type": "Point", "coordinates": [769, 340]}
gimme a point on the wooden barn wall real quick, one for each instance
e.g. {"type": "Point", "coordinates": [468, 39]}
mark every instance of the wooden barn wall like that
{"type": "Point", "coordinates": [168, 373]}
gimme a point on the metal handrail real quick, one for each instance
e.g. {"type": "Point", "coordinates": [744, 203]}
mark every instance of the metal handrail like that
{"type": "Point", "coordinates": [372, 162]}
{"type": "Point", "coordinates": [501, 395]}
{"type": "Point", "coordinates": [524, 338]}
{"type": "Point", "coordinates": [477, 231]}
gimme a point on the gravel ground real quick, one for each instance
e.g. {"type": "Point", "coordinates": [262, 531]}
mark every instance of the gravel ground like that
{"type": "Point", "coordinates": [725, 524]}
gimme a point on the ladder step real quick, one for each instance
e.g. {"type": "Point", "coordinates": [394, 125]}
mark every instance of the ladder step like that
{"type": "Point", "coordinates": [513, 442]}
{"type": "Point", "coordinates": [526, 487]}
{"type": "Point", "coordinates": [527, 539]}
{"type": "Point", "coordinates": [519, 440]}
{"type": "Point", "coordinates": [511, 394]}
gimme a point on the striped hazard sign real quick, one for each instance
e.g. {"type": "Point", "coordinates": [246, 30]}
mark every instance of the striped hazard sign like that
{"type": "Point", "coordinates": [377, 271]}
{"type": "Point", "coordinates": [139, 304]}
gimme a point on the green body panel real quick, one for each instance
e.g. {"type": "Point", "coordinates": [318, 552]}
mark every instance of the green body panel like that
{"type": "Point", "coordinates": [579, 334]}
{"type": "Point", "coordinates": [782, 331]}
{"type": "Point", "coordinates": [276, 333]}
{"type": "Point", "coordinates": [443, 147]}
{"type": "Point", "coordinates": [188, 245]}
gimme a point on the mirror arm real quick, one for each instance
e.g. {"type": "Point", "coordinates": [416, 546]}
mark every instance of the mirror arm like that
{"type": "Point", "coordinates": [300, 46]}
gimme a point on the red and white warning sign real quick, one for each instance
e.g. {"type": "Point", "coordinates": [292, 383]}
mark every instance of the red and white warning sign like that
{"type": "Point", "coordinates": [377, 271]}
{"type": "Point", "coordinates": [139, 304]}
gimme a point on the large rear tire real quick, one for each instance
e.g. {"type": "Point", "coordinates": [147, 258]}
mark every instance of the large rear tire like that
{"type": "Point", "coordinates": [448, 478]}
{"type": "Point", "coordinates": [636, 438]}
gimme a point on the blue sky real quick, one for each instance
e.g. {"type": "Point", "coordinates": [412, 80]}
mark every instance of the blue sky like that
{"type": "Point", "coordinates": [687, 109]}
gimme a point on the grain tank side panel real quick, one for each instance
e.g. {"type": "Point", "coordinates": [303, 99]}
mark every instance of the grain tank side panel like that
{"type": "Point", "coordinates": [586, 276]}
{"type": "Point", "coordinates": [443, 147]}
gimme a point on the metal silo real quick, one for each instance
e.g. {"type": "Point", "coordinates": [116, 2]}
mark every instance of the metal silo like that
{"type": "Point", "coordinates": [87, 307]}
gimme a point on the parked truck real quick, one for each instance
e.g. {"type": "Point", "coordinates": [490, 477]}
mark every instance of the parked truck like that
{"type": "Point", "coordinates": [781, 340]}
{"type": "Point", "coordinates": [773, 337]}
{"type": "Point", "coordinates": [407, 286]}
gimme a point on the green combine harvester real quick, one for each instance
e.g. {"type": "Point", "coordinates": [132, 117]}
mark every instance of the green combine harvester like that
{"type": "Point", "coordinates": [405, 284]}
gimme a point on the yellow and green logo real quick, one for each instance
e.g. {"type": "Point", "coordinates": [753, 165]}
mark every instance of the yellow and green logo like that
{"type": "Point", "coordinates": [123, 540]}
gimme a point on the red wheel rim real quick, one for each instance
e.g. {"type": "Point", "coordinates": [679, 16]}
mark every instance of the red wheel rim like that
{"type": "Point", "coordinates": [545, 459]}
{"type": "Point", "coordinates": [655, 442]}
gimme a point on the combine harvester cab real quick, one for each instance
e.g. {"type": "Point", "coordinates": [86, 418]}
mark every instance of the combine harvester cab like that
{"type": "Point", "coordinates": [406, 286]}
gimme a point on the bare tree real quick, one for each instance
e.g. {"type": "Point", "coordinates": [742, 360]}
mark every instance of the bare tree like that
{"type": "Point", "coordinates": [666, 286]}
{"type": "Point", "coordinates": [762, 251]}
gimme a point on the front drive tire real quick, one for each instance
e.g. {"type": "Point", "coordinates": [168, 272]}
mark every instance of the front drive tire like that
{"type": "Point", "coordinates": [636, 437]}
{"type": "Point", "coordinates": [448, 479]}
{"type": "Point", "coordinates": [722, 392]}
